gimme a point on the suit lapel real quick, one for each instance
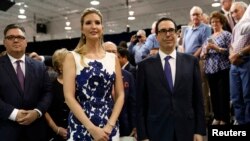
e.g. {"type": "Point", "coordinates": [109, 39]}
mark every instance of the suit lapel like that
{"type": "Point", "coordinates": [160, 71]}
{"type": "Point", "coordinates": [11, 73]}
{"type": "Point", "coordinates": [29, 69]}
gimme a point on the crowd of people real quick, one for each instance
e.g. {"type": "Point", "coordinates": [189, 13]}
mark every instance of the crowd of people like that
{"type": "Point", "coordinates": [167, 86]}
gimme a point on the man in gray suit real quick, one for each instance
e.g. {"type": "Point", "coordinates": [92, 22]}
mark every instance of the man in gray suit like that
{"type": "Point", "coordinates": [169, 96]}
{"type": "Point", "coordinates": [24, 90]}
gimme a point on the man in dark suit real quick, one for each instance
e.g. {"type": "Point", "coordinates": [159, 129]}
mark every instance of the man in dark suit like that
{"type": "Point", "coordinates": [169, 105]}
{"type": "Point", "coordinates": [24, 90]}
{"type": "Point", "coordinates": [225, 10]}
{"type": "Point", "coordinates": [123, 56]}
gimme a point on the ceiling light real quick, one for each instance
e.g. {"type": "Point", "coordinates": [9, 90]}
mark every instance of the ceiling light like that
{"type": "Point", "coordinates": [21, 11]}
{"type": "Point", "coordinates": [215, 4]}
{"type": "Point", "coordinates": [67, 23]}
{"type": "Point", "coordinates": [131, 18]}
{"type": "Point", "coordinates": [22, 16]}
{"type": "Point", "coordinates": [94, 2]}
{"type": "Point", "coordinates": [131, 13]}
{"type": "Point", "coordinates": [67, 28]}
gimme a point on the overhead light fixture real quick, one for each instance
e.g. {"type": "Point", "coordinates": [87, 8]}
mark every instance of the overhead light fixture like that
{"type": "Point", "coordinates": [131, 18]}
{"type": "Point", "coordinates": [215, 4]}
{"type": "Point", "coordinates": [67, 28]}
{"type": "Point", "coordinates": [94, 2]}
{"type": "Point", "coordinates": [131, 13]}
{"type": "Point", "coordinates": [22, 16]}
{"type": "Point", "coordinates": [67, 23]}
{"type": "Point", "coordinates": [21, 11]}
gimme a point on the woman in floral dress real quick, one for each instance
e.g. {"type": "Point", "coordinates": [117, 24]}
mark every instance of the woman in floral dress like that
{"type": "Point", "coordinates": [89, 75]}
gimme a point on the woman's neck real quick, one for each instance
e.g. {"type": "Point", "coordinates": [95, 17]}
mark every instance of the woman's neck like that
{"type": "Point", "coordinates": [94, 47]}
{"type": "Point", "coordinates": [218, 31]}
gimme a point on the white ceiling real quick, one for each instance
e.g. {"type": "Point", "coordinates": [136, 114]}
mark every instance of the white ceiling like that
{"type": "Point", "coordinates": [115, 12]}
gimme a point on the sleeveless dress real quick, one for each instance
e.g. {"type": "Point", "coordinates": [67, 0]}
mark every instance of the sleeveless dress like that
{"type": "Point", "coordinates": [94, 93]}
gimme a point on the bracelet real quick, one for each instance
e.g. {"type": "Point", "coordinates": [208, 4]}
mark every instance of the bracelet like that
{"type": "Point", "coordinates": [110, 124]}
{"type": "Point", "coordinates": [58, 130]}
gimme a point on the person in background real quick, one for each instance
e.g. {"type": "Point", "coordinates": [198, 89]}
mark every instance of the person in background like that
{"type": "Point", "coordinates": [58, 112]}
{"type": "Point", "coordinates": [237, 10]}
{"type": "Point", "coordinates": [170, 108]}
{"type": "Point", "coordinates": [123, 44]}
{"type": "Point", "coordinates": [151, 45]}
{"type": "Point", "coordinates": [205, 19]}
{"type": "Point", "coordinates": [193, 39]}
{"type": "Point", "coordinates": [136, 45]}
{"type": "Point", "coordinates": [25, 90]}
{"type": "Point", "coordinates": [245, 25]}
{"type": "Point", "coordinates": [123, 56]}
{"type": "Point", "coordinates": [225, 10]}
{"type": "Point", "coordinates": [216, 65]}
{"type": "Point", "coordinates": [240, 72]}
{"type": "Point", "coordinates": [128, 113]}
{"type": "Point", "coordinates": [89, 74]}
{"type": "Point", "coordinates": [44, 58]}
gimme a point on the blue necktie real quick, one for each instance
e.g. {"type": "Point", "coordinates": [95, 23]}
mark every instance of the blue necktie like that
{"type": "Point", "coordinates": [168, 74]}
{"type": "Point", "coordinates": [20, 74]}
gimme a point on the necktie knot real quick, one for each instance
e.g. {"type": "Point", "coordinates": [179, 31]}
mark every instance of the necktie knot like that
{"type": "Point", "coordinates": [167, 58]}
{"type": "Point", "coordinates": [18, 62]}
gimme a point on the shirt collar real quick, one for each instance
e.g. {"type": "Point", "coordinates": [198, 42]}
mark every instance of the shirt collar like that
{"type": "Point", "coordinates": [225, 12]}
{"type": "Point", "coordinates": [163, 55]}
{"type": "Point", "coordinates": [13, 60]}
{"type": "Point", "coordinates": [123, 67]}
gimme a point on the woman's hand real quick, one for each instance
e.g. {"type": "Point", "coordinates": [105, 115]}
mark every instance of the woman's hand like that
{"type": "Point", "coordinates": [99, 134]}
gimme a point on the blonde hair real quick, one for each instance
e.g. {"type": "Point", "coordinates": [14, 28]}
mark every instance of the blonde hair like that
{"type": "Point", "coordinates": [81, 44]}
{"type": "Point", "coordinates": [58, 58]}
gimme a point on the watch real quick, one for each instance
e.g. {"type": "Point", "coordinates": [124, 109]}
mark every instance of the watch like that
{"type": "Point", "coordinates": [241, 54]}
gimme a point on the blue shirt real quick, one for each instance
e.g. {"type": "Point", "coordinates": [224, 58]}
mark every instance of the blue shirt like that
{"type": "Point", "coordinates": [150, 43]}
{"type": "Point", "coordinates": [136, 50]}
{"type": "Point", "coordinates": [195, 37]}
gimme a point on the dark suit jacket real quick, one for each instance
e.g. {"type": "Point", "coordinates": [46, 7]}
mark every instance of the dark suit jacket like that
{"type": "Point", "coordinates": [131, 69]}
{"type": "Point", "coordinates": [161, 114]}
{"type": "Point", "coordinates": [226, 26]}
{"type": "Point", "coordinates": [48, 60]}
{"type": "Point", "coordinates": [36, 94]}
{"type": "Point", "coordinates": [128, 114]}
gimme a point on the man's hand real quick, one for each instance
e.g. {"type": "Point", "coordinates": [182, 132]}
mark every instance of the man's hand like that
{"type": "Point", "coordinates": [35, 56]}
{"type": "Point", "coordinates": [20, 114]}
{"type": "Point", "coordinates": [198, 137]}
{"type": "Point", "coordinates": [28, 117]}
{"type": "Point", "coordinates": [235, 59]}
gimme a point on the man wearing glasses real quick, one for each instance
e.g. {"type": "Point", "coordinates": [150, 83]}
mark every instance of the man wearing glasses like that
{"type": "Point", "coordinates": [169, 96]}
{"type": "Point", "coordinates": [136, 45]}
{"type": "Point", "coordinates": [24, 90]}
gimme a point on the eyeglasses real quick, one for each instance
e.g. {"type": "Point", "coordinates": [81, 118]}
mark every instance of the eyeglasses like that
{"type": "Point", "coordinates": [196, 14]}
{"type": "Point", "coordinates": [12, 38]}
{"type": "Point", "coordinates": [165, 31]}
{"type": "Point", "coordinates": [111, 51]}
{"type": "Point", "coordinates": [138, 36]}
{"type": "Point", "coordinates": [234, 11]}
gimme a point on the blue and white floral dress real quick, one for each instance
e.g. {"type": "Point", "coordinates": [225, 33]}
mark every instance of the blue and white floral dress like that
{"type": "Point", "coordinates": [94, 94]}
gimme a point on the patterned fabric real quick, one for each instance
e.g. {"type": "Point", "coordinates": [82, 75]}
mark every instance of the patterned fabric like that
{"type": "Point", "coordinates": [239, 41]}
{"type": "Point", "coordinates": [93, 92]}
{"type": "Point", "coordinates": [218, 61]}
